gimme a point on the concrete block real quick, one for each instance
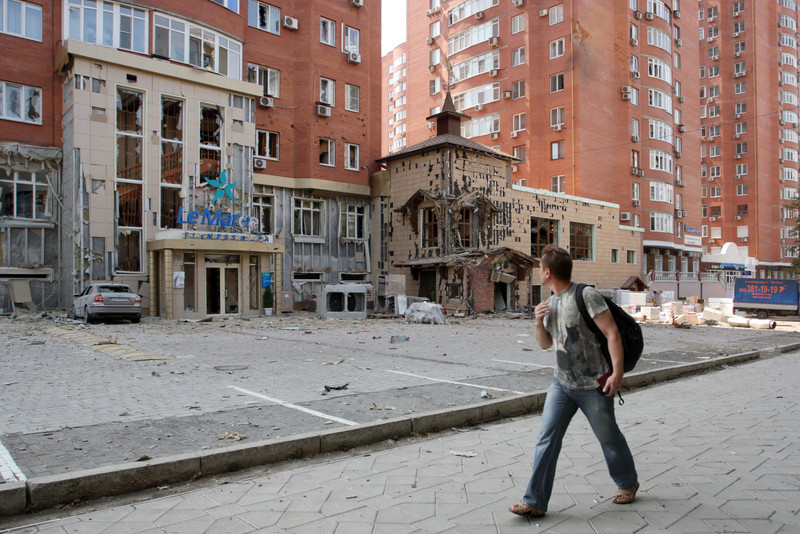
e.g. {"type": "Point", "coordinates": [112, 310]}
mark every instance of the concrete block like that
{"type": "Point", "coordinates": [650, 313]}
{"type": "Point", "coordinates": [711, 314]}
{"type": "Point", "coordinates": [46, 492]}
{"type": "Point", "coordinates": [12, 498]}
{"type": "Point", "coordinates": [353, 436]}
{"type": "Point", "coordinates": [244, 455]}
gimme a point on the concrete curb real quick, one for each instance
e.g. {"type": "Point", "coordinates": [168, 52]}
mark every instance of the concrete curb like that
{"type": "Point", "coordinates": [40, 493]}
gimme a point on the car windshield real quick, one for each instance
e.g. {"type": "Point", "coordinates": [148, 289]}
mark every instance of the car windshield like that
{"type": "Point", "coordinates": [114, 289]}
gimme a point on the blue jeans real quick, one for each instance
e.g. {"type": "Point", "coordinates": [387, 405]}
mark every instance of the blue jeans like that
{"type": "Point", "coordinates": [559, 407]}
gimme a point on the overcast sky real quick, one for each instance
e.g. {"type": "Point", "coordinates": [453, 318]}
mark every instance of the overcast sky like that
{"type": "Point", "coordinates": [393, 27]}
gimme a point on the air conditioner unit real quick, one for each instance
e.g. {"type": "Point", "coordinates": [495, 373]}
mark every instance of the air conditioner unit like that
{"type": "Point", "coordinates": [517, 3]}
{"type": "Point", "coordinates": [514, 168]}
{"type": "Point", "coordinates": [429, 40]}
{"type": "Point", "coordinates": [357, 3]}
{"type": "Point", "coordinates": [635, 203]}
{"type": "Point", "coordinates": [678, 153]}
{"type": "Point", "coordinates": [677, 14]}
{"type": "Point", "coordinates": [649, 16]}
{"type": "Point", "coordinates": [625, 216]}
{"type": "Point", "coordinates": [259, 162]}
{"type": "Point", "coordinates": [635, 138]}
{"type": "Point", "coordinates": [780, 160]}
{"type": "Point", "coordinates": [558, 127]}
{"type": "Point", "coordinates": [710, 39]}
{"type": "Point", "coordinates": [737, 156]}
{"type": "Point", "coordinates": [637, 15]}
{"type": "Point", "coordinates": [323, 110]}
{"type": "Point", "coordinates": [736, 13]}
{"type": "Point", "coordinates": [781, 122]}
{"type": "Point", "coordinates": [681, 128]}
{"type": "Point", "coordinates": [710, 100]}
{"type": "Point", "coordinates": [479, 107]}
{"type": "Point", "coordinates": [634, 42]}
{"type": "Point", "coordinates": [710, 19]}
{"type": "Point", "coordinates": [514, 134]}
{"type": "Point", "coordinates": [626, 96]}
{"type": "Point", "coordinates": [266, 102]}
{"type": "Point", "coordinates": [506, 94]}
{"type": "Point", "coordinates": [479, 15]}
{"type": "Point", "coordinates": [680, 183]}
{"type": "Point", "coordinates": [432, 68]}
{"type": "Point", "coordinates": [715, 58]}
{"type": "Point", "coordinates": [737, 115]}
{"type": "Point", "coordinates": [494, 41]}
{"type": "Point", "coordinates": [738, 218]}
{"type": "Point", "coordinates": [640, 172]}
{"type": "Point", "coordinates": [683, 213]}
{"type": "Point", "coordinates": [429, 125]}
{"type": "Point", "coordinates": [634, 170]}
{"type": "Point", "coordinates": [737, 54]}
{"type": "Point", "coordinates": [736, 34]}
{"type": "Point", "coordinates": [543, 13]}
{"type": "Point", "coordinates": [712, 219]}
{"type": "Point", "coordinates": [493, 72]}
{"type": "Point", "coordinates": [744, 240]}
{"type": "Point", "coordinates": [678, 42]}
{"type": "Point", "coordinates": [738, 74]}
{"type": "Point", "coordinates": [780, 141]}
{"type": "Point", "coordinates": [353, 57]}
{"type": "Point", "coordinates": [736, 136]}
{"type": "Point", "coordinates": [429, 13]}
{"type": "Point", "coordinates": [738, 176]}
{"type": "Point", "coordinates": [290, 23]}
{"type": "Point", "coordinates": [495, 136]}
{"type": "Point", "coordinates": [635, 75]}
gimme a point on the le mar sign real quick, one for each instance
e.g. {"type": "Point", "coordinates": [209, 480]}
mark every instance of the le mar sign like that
{"type": "Point", "coordinates": [216, 218]}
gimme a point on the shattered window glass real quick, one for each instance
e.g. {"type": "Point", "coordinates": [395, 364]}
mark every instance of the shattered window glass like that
{"type": "Point", "coordinates": [24, 195]}
{"type": "Point", "coordinates": [210, 143]}
{"type": "Point", "coordinates": [307, 217]}
{"type": "Point", "coordinates": [171, 141]}
{"type": "Point", "coordinates": [129, 134]}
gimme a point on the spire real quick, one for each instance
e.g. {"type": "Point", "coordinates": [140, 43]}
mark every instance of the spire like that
{"type": "Point", "coordinates": [448, 120]}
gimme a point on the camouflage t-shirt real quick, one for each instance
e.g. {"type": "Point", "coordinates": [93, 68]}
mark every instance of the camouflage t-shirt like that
{"type": "Point", "coordinates": [578, 356]}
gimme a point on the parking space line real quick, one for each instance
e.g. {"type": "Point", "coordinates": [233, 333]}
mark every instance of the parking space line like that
{"type": "Point", "coordinates": [525, 363]}
{"type": "Point", "coordinates": [295, 406]}
{"type": "Point", "coordinates": [9, 471]}
{"type": "Point", "coordinates": [456, 383]}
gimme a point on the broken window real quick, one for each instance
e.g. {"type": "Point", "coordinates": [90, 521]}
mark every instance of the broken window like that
{"type": "Point", "coordinates": [129, 134]}
{"type": "Point", "coordinates": [430, 228]}
{"type": "Point", "coordinates": [210, 143]}
{"type": "Point", "coordinates": [463, 228]}
{"type": "Point", "coordinates": [268, 78]}
{"type": "Point", "coordinates": [307, 217]}
{"type": "Point", "coordinates": [264, 17]}
{"type": "Point", "coordinates": [352, 222]}
{"type": "Point", "coordinates": [267, 144]}
{"type": "Point", "coordinates": [351, 40]}
{"type": "Point", "coordinates": [326, 152]}
{"type": "Point", "coordinates": [24, 195]}
{"type": "Point", "coordinates": [327, 91]}
{"type": "Point", "coordinates": [263, 206]}
{"type": "Point", "coordinates": [581, 237]}
{"type": "Point", "coordinates": [20, 103]}
{"type": "Point", "coordinates": [114, 25]}
{"type": "Point", "coordinates": [171, 160]}
{"type": "Point", "coordinates": [543, 232]}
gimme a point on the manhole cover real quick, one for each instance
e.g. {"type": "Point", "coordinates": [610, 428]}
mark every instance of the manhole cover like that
{"type": "Point", "coordinates": [231, 367]}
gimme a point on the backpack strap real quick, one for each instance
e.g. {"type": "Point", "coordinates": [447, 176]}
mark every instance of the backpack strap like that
{"type": "Point", "coordinates": [593, 326]}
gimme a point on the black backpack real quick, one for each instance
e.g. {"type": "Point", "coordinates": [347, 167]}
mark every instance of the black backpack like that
{"type": "Point", "coordinates": [629, 330]}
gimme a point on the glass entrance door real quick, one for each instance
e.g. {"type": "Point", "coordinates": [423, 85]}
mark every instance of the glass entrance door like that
{"type": "Point", "coordinates": [222, 285]}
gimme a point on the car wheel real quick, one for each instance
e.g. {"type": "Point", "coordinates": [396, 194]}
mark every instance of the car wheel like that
{"type": "Point", "coordinates": [74, 315]}
{"type": "Point", "coordinates": [88, 319]}
{"type": "Point", "coordinates": [762, 314]}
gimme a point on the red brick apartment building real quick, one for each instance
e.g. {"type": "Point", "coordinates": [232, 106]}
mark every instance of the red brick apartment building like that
{"type": "Point", "coordinates": [602, 99]}
{"type": "Point", "coordinates": [194, 150]}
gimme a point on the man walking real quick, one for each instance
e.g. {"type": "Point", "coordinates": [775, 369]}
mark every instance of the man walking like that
{"type": "Point", "coordinates": [582, 381]}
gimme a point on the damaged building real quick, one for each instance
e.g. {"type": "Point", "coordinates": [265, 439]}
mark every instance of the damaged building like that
{"type": "Point", "coordinates": [465, 237]}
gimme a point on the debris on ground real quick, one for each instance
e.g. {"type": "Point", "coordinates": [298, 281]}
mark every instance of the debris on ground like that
{"type": "Point", "coordinates": [465, 454]}
{"type": "Point", "coordinates": [235, 436]}
{"type": "Point", "coordinates": [426, 313]}
{"type": "Point", "coordinates": [331, 388]}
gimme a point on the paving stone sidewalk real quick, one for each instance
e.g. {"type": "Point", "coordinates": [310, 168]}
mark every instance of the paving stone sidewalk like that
{"type": "Point", "coordinates": [715, 453]}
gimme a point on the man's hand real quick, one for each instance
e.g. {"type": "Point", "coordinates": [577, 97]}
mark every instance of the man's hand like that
{"type": "Point", "coordinates": [613, 384]}
{"type": "Point", "coordinates": [542, 335]}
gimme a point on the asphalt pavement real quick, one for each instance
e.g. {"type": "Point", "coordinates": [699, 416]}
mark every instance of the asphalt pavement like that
{"type": "Point", "coordinates": [104, 409]}
{"type": "Point", "coordinates": [716, 452]}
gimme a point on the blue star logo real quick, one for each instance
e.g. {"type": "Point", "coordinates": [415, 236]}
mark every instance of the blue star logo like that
{"type": "Point", "coordinates": [223, 187]}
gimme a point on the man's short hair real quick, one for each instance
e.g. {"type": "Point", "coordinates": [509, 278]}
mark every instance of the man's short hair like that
{"type": "Point", "coordinates": [558, 261]}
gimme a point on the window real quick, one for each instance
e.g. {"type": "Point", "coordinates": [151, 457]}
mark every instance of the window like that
{"type": "Point", "coordinates": [24, 194]}
{"type": "Point", "coordinates": [435, 57]}
{"type": "Point", "coordinates": [518, 56]}
{"type": "Point", "coordinates": [264, 207]}
{"type": "Point", "coordinates": [326, 152]}
{"type": "Point", "coordinates": [20, 103]}
{"type": "Point", "coordinates": [714, 151]}
{"type": "Point", "coordinates": [463, 228]}
{"type": "Point", "coordinates": [557, 150]}
{"type": "Point", "coordinates": [353, 221]}
{"type": "Point", "coordinates": [543, 232]}
{"type": "Point", "coordinates": [715, 191]}
{"type": "Point", "coordinates": [662, 192]}
{"type": "Point", "coordinates": [518, 23]}
{"type": "Point", "coordinates": [129, 205]}
{"type": "Point", "coordinates": [659, 38]}
{"type": "Point", "coordinates": [556, 48]}
{"type": "Point", "coordinates": [635, 158]}
{"type": "Point", "coordinates": [634, 63]}
{"type": "Point", "coordinates": [661, 130]}
{"type": "Point", "coordinates": [614, 255]}
{"type": "Point", "coordinates": [741, 190]}
{"type": "Point", "coordinates": [740, 88]}
{"type": "Point", "coordinates": [114, 25]}
{"type": "Point", "coordinates": [308, 216]}
{"type": "Point", "coordinates": [659, 69]}
{"type": "Point", "coordinates": [21, 19]}
{"type": "Point", "coordinates": [327, 91]}
{"type": "Point", "coordinates": [556, 14]}
{"type": "Point", "coordinates": [740, 108]}
{"type": "Point", "coordinates": [475, 65]}
{"type": "Point", "coordinates": [435, 29]}
{"type": "Point", "coordinates": [518, 89]}
{"type": "Point", "coordinates": [520, 152]}
{"type": "Point", "coordinates": [557, 116]}
{"type": "Point", "coordinates": [738, 7]}
{"type": "Point", "coordinates": [430, 228]}
{"type": "Point", "coordinates": [661, 222]}
{"type": "Point", "coordinates": [352, 98]}
{"type": "Point", "coordinates": [634, 127]}
{"type": "Point", "coordinates": [478, 95]}
{"type": "Point", "coordinates": [352, 38]}
{"type": "Point", "coordinates": [187, 43]}
{"type": "Point", "coordinates": [351, 157]}
{"type": "Point", "coordinates": [269, 79]}
{"type": "Point", "coordinates": [557, 82]}
{"type": "Point", "coordinates": [659, 99]}
{"type": "Point", "coordinates": [580, 241]}
{"type": "Point", "coordinates": [738, 27]}
{"type": "Point", "coordinates": [435, 85]}
{"type": "Point", "coordinates": [327, 32]}
{"type": "Point", "coordinates": [171, 160]}
{"type": "Point", "coordinates": [264, 17]}
{"type": "Point", "coordinates": [741, 169]}
{"type": "Point", "coordinates": [630, 256]}
{"type": "Point", "coordinates": [558, 184]}
{"type": "Point", "coordinates": [518, 122]}
{"type": "Point", "coordinates": [713, 71]}
{"type": "Point", "coordinates": [484, 125]}
{"type": "Point", "coordinates": [267, 144]}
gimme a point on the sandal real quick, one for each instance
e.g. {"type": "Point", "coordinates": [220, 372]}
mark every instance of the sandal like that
{"type": "Point", "coordinates": [525, 509]}
{"type": "Point", "coordinates": [626, 496]}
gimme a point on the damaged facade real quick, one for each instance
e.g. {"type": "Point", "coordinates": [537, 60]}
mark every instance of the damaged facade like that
{"type": "Point", "coordinates": [207, 152]}
{"type": "Point", "coordinates": [467, 239]}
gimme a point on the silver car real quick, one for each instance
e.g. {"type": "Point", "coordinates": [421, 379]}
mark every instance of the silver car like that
{"type": "Point", "coordinates": [107, 301]}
